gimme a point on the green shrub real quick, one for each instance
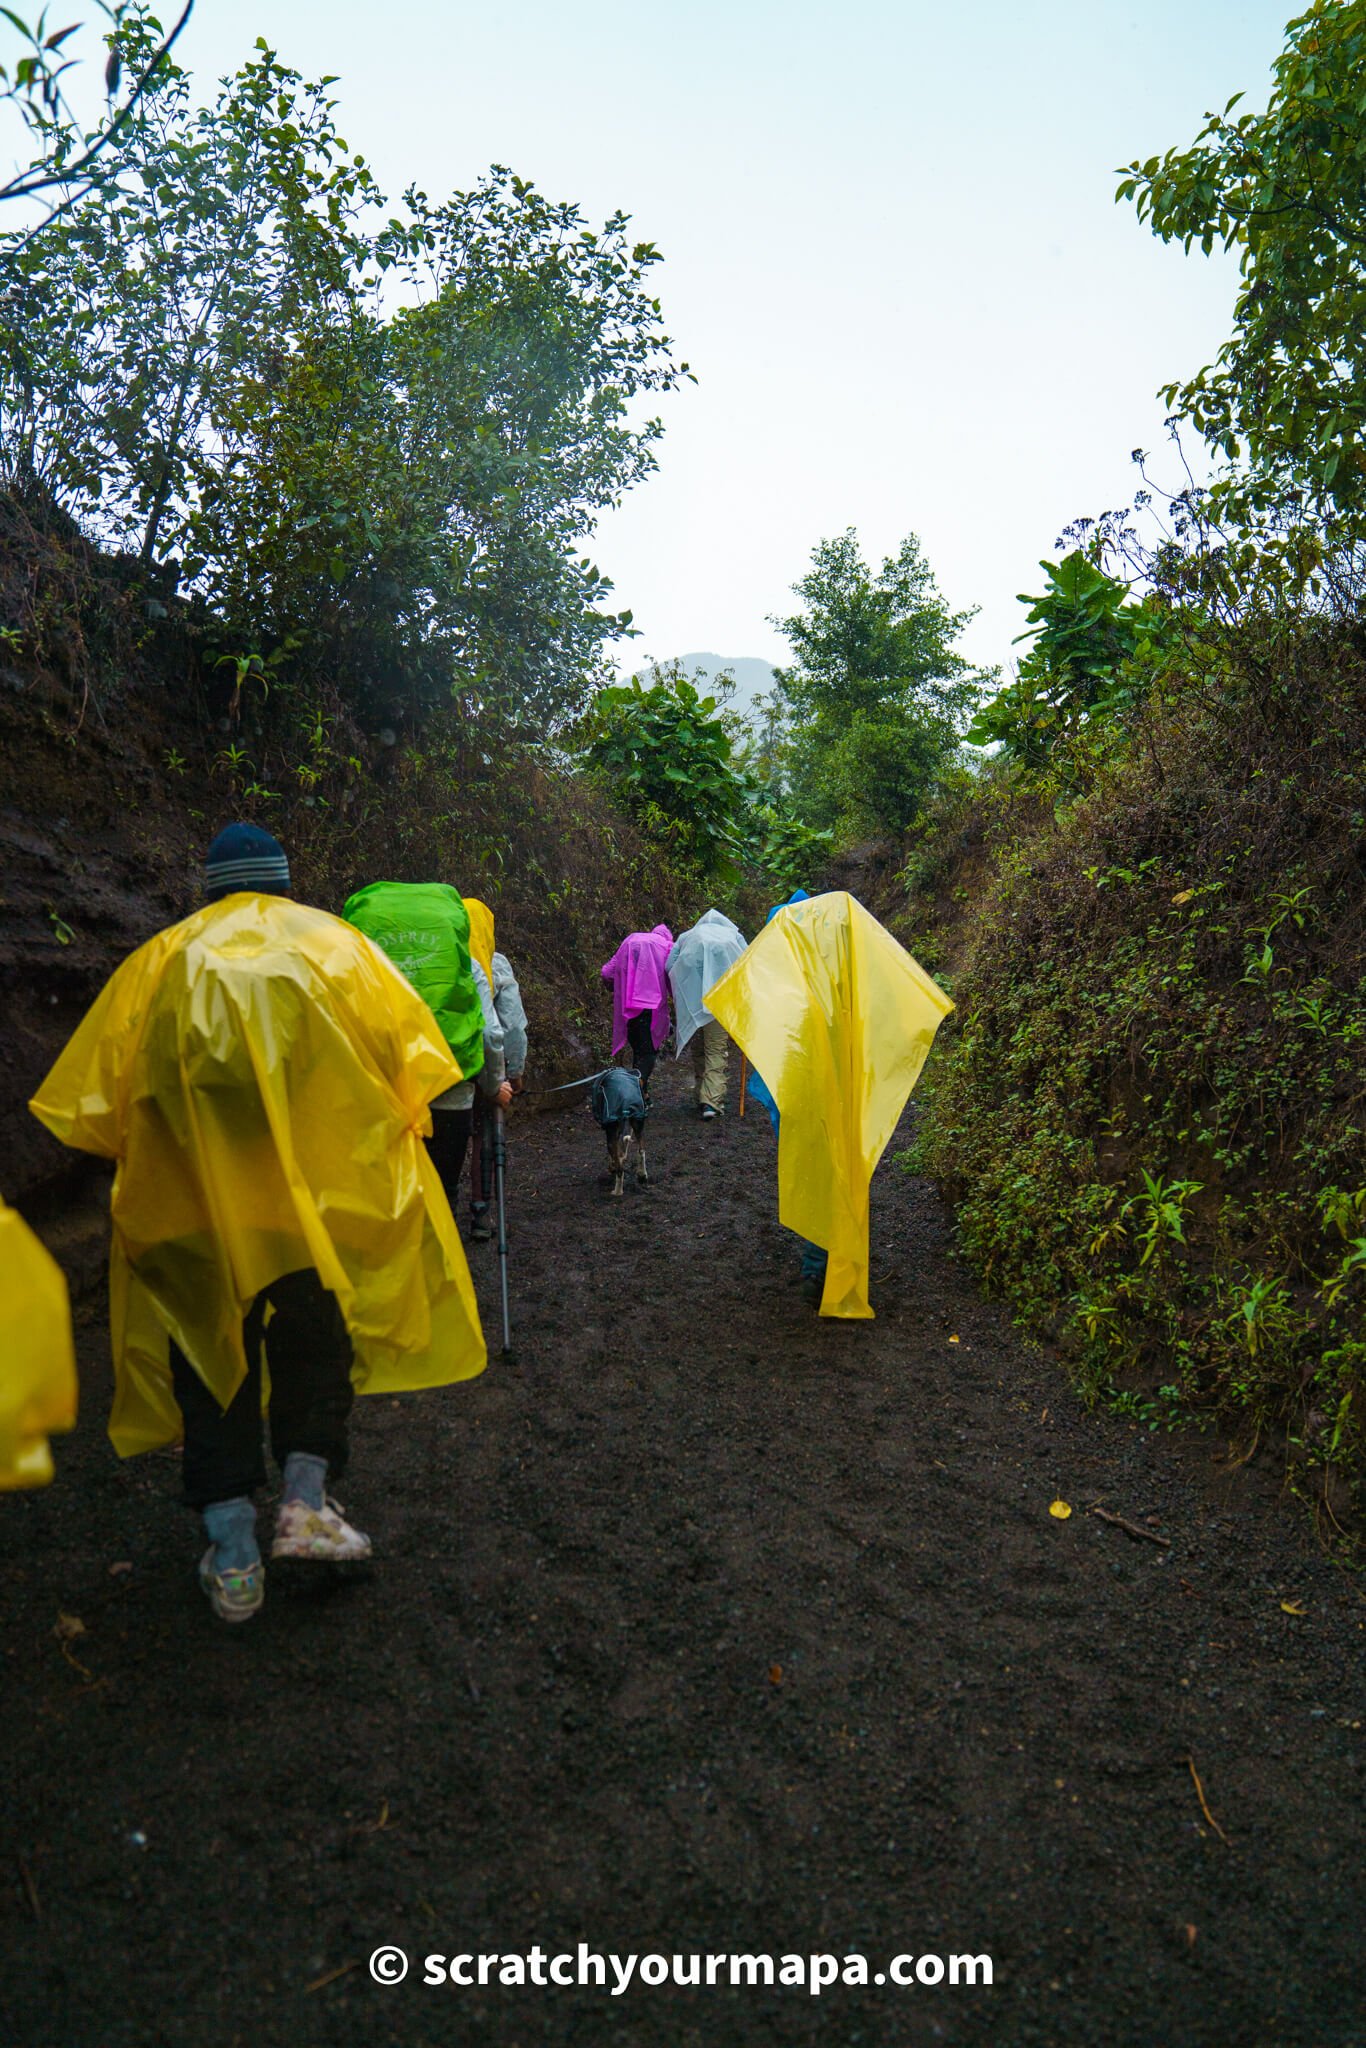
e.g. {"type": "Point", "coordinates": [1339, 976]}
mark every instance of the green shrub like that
{"type": "Point", "coordinates": [664, 752]}
{"type": "Point", "coordinates": [1149, 1104]}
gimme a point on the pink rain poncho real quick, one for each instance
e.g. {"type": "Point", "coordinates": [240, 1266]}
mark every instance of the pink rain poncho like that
{"type": "Point", "coordinates": [638, 981]}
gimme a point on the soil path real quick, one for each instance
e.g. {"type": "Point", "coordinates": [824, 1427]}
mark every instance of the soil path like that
{"type": "Point", "coordinates": [703, 1626]}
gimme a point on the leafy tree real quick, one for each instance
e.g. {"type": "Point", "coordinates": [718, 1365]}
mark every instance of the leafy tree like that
{"type": "Point", "coordinates": [199, 361]}
{"type": "Point", "coordinates": [877, 692]}
{"type": "Point", "coordinates": [1286, 398]}
{"type": "Point", "coordinates": [789, 851]}
{"type": "Point", "coordinates": [1091, 661]}
{"type": "Point", "coordinates": [764, 745]}
{"type": "Point", "coordinates": [414, 494]}
{"type": "Point", "coordinates": [665, 752]}
{"type": "Point", "coordinates": [132, 326]}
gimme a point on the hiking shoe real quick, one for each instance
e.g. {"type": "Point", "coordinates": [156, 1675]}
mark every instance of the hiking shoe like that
{"type": "Point", "coordinates": [233, 1595]}
{"type": "Point", "coordinates": [481, 1229]}
{"type": "Point", "coordinates": [708, 1113]}
{"type": "Point", "coordinates": [319, 1533]}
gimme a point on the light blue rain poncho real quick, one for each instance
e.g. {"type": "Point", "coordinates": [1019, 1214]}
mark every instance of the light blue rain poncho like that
{"type": "Point", "coordinates": [757, 1085]}
{"type": "Point", "coordinates": [695, 964]}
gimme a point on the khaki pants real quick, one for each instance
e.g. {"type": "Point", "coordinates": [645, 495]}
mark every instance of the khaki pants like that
{"type": "Point", "coordinates": [710, 1050]}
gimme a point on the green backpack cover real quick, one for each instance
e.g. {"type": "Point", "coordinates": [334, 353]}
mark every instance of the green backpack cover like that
{"type": "Point", "coordinates": [425, 929]}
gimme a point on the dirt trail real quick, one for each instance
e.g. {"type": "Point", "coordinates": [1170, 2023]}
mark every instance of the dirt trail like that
{"type": "Point", "coordinates": [703, 1626]}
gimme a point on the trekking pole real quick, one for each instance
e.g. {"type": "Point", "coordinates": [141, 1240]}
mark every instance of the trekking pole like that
{"type": "Point", "coordinates": [500, 1160]}
{"type": "Point", "coordinates": [744, 1081]}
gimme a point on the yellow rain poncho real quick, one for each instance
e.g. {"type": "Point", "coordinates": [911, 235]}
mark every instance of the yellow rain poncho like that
{"type": "Point", "coordinates": [261, 1074]}
{"type": "Point", "coordinates": [37, 1363]}
{"type": "Point", "coordinates": [838, 1018]}
{"type": "Point", "coordinates": [481, 934]}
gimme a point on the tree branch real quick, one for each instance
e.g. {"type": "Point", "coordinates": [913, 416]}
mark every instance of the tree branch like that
{"type": "Point", "coordinates": [26, 183]}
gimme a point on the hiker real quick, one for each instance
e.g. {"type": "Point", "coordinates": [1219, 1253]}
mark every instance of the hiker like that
{"type": "Point", "coordinates": [637, 975]}
{"type": "Point", "coordinates": [813, 1256]}
{"type": "Point", "coordinates": [425, 929]}
{"type": "Point", "coordinates": [262, 1074]}
{"type": "Point", "coordinates": [37, 1358]}
{"type": "Point", "coordinates": [697, 960]}
{"type": "Point", "coordinates": [840, 1018]}
{"type": "Point", "coordinates": [758, 1087]}
{"type": "Point", "coordinates": [502, 999]}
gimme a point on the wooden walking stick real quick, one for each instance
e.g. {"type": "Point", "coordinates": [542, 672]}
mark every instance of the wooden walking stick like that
{"type": "Point", "coordinates": [744, 1081]}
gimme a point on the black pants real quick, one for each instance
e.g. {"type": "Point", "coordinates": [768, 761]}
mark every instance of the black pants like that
{"type": "Point", "coordinates": [447, 1145]}
{"type": "Point", "coordinates": [309, 1353]}
{"type": "Point", "coordinates": [640, 1038]}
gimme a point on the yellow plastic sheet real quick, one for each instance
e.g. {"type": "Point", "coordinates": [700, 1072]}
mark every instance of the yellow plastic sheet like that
{"type": "Point", "coordinates": [37, 1362]}
{"type": "Point", "coordinates": [481, 934]}
{"type": "Point", "coordinates": [262, 1074]}
{"type": "Point", "coordinates": [838, 1018]}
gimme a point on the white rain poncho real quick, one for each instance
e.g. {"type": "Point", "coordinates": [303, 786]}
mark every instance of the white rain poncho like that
{"type": "Point", "coordinates": [695, 965]}
{"type": "Point", "coordinates": [507, 1001]}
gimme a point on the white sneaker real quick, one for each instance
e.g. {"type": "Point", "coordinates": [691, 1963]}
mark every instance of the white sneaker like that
{"type": "Point", "coordinates": [708, 1112]}
{"type": "Point", "coordinates": [320, 1533]}
{"type": "Point", "coordinates": [233, 1595]}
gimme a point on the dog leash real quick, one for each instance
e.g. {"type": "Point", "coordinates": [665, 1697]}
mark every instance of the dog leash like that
{"type": "Point", "coordinates": [586, 1082]}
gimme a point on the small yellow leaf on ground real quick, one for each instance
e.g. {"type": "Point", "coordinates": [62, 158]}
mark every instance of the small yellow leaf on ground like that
{"type": "Point", "coordinates": [1292, 1607]}
{"type": "Point", "coordinates": [1060, 1510]}
{"type": "Point", "coordinates": [1183, 896]}
{"type": "Point", "coordinates": [67, 1627]}
{"type": "Point", "coordinates": [775, 1674]}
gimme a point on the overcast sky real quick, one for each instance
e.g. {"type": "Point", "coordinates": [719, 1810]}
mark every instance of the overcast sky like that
{"type": "Point", "coordinates": [892, 253]}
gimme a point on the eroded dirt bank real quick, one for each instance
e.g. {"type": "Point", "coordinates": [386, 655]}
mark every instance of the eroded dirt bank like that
{"type": "Point", "coordinates": [702, 1626]}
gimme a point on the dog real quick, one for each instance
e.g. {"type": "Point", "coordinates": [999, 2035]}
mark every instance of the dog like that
{"type": "Point", "coordinates": [619, 1107]}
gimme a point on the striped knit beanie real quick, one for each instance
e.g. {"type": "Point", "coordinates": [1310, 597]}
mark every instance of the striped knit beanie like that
{"type": "Point", "coordinates": [245, 857]}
